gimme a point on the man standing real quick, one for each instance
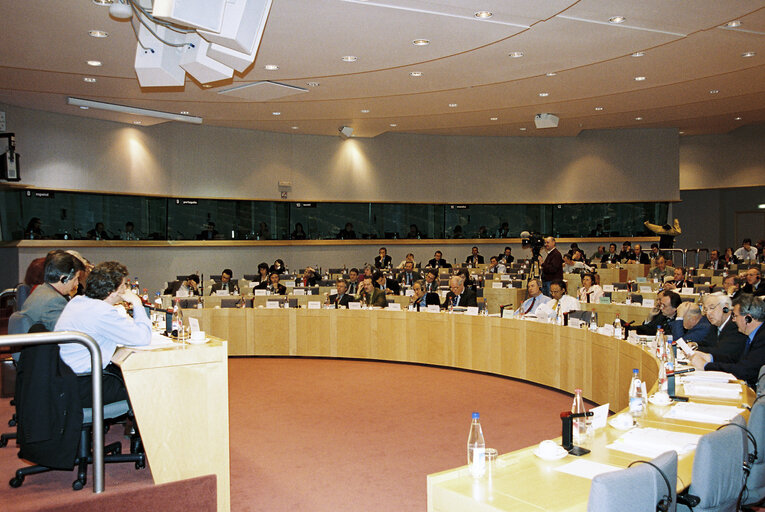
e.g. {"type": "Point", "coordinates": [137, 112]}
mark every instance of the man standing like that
{"type": "Point", "coordinates": [754, 283]}
{"type": "Point", "coordinates": [535, 297]}
{"type": "Point", "coordinates": [458, 295]}
{"type": "Point", "coordinates": [341, 298]}
{"type": "Point", "coordinates": [95, 315]}
{"type": "Point", "coordinates": [47, 301]}
{"type": "Point", "coordinates": [552, 265]}
{"type": "Point", "coordinates": [409, 276]}
{"type": "Point", "coordinates": [724, 339]}
{"type": "Point", "coordinates": [225, 284]}
{"type": "Point", "coordinates": [748, 315]}
{"type": "Point", "coordinates": [474, 259]}
{"type": "Point", "coordinates": [370, 295]}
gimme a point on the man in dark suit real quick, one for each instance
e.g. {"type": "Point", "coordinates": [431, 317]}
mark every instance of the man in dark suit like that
{"type": "Point", "coordinates": [389, 286]}
{"type": "Point", "coordinates": [714, 262]}
{"type": "Point", "coordinates": [458, 295]}
{"type": "Point", "coordinates": [748, 315]}
{"type": "Point", "coordinates": [309, 278]}
{"type": "Point", "coordinates": [370, 295]}
{"type": "Point", "coordinates": [409, 276]}
{"type": "Point", "coordinates": [422, 299]}
{"type": "Point", "coordinates": [679, 280]}
{"type": "Point", "coordinates": [506, 258]}
{"type": "Point", "coordinates": [627, 253]}
{"type": "Point", "coordinates": [724, 339]}
{"type": "Point", "coordinates": [225, 283]}
{"type": "Point", "coordinates": [639, 256]}
{"type": "Point", "coordinates": [341, 298]}
{"type": "Point", "coordinates": [438, 261]}
{"type": "Point", "coordinates": [353, 284]}
{"type": "Point", "coordinates": [754, 284]}
{"type": "Point", "coordinates": [693, 326]}
{"type": "Point", "coordinates": [667, 302]}
{"type": "Point", "coordinates": [474, 259]}
{"type": "Point", "coordinates": [552, 265]}
{"type": "Point", "coordinates": [611, 256]}
{"type": "Point", "coordinates": [383, 260]}
{"type": "Point", "coordinates": [431, 281]}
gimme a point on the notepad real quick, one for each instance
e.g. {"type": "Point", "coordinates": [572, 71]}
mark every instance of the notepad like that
{"type": "Point", "coordinates": [586, 468]}
{"type": "Point", "coordinates": [703, 413]}
{"type": "Point", "coordinates": [652, 442]}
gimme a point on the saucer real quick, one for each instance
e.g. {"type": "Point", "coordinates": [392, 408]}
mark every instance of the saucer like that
{"type": "Point", "coordinates": [562, 453]}
{"type": "Point", "coordinates": [654, 401]}
{"type": "Point", "coordinates": [198, 342]}
{"type": "Point", "coordinates": [619, 425]}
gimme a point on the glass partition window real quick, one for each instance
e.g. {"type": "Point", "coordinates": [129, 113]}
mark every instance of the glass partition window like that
{"type": "Point", "coordinates": [73, 215]}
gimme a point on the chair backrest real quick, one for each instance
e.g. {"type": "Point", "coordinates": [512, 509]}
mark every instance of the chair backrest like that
{"type": "Point", "coordinates": [755, 485]}
{"type": "Point", "coordinates": [761, 381]}
{"type": "Point", "coordinates": [22, 292]}
{"type": "Point", "coordinates": [636, 298]}
{"type": "Point", "coordinates": [718, 468]}
{"type": "Point", "coordinates": [638, 488]}
{"type": "Point", "coordinates": [582, 316]}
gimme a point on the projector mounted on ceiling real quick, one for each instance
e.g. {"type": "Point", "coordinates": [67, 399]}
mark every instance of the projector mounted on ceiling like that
{"type": "Point", "coordinates": [546, 121]}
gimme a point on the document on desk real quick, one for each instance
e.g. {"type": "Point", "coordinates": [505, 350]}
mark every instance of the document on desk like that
{"type": "Point", "coordinates": [708, 376]}
{"type": "Point", "coordinates": [703, 413]}
{"type": "Point", "coordinates": [723, 390]}
{"type": "Point", "coordinates": [157, 341]}
{"type": "Point", "coordinates": [652, 442]}
{"type": "Point", "coordinates": [586, 468]}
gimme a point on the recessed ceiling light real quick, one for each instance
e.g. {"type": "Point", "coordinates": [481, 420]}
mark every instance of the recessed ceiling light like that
{"type": "Point", "coordinates": [638, 118]}
{"type": "Point", "coordinates": [184, 113]}
{"type": "Point", "coordinates": [312, 84]}
{"type": "Point", "coordinates": [598, 108]}
{"type": "Point", "coordinates": [89, 79]}
{"type": "Point", "coordinates": [206, 86]}
{"type": "Point", "coordinates": [452, 105]}
{"type": "Point", "coordinates": [761, 206]}
{"type": "Point", "coordinates": [681, 132]}
{"type": "Point", "coordinates": [421, 42]}
{"type": "Point", "coordinates": [136, 122]}
{"type": "Point", "coordinates": [365, 111]}
{"type": "Point", "coordinates": [493, 118]}
{"type": "Point", "coordinates": [748, 54]}
{"type": "Point", "coordinates": [294, 127]}
{"type": "Point", "coordinates": [83, 107]}
{"type": "Point", "coordinates": [733, 24]}
{"type": "Point", "coordinates": [638, 54]}
{"type": "Point", "coordinates": [415, 74]}
{"type": "Point", "coordinates": [617, 19]}
{"type": "Point", "coordinates": [639, 78]}
{"type": "Point", "coordinates": [271, 67]}
{"type": "Point", "coordinates": [94, 63]}
{"type": "Point", "coordinates": [97, 33]}
{"type": "Point", "coordinates": [737, 118]}
{"type": "Point", "coordinates": [276, 113]}
{"type": "Point", "coordinates": [552, 73]}
{"type": "Point", "coordinates": [102, 2]}
{"type": "Point", "coordinates": [483, 14]}
{"type": "Point", "coordinates": [393, 125]}
{"type": "Point", "coordinates": [714, 91]}
{"type": "Point", "coordinates": [349, 58]}
{"type": "Point", "coordinates": [544, 94]}
{"type": "Point", "coordinates": [523, 129]}
{"type": "Point", "coordinates": [516, 55]}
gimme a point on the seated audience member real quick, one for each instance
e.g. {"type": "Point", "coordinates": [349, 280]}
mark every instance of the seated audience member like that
{"type": "Point", "coordinates": [262, 276]}
{"type": "Point", "coordinates": [661, 270]}
{"type": "Point", "coordinates": [98, 232]}
{"type": "Point", "coordinates": [483, 232]}
{"type": "Point", "coordinates": [347, 233]}
{"type": "Point", "coordinates": [729, 258]}
{"type": "Point", "coordinates": [655, 253]}
{"type": "Point", "coordinates": [457, 232]}
{"type": "Point", "coordinates": [570, 266]}
{"type": "Point", "coordinates": [761, 250]}
{"type": "Point", "coordinates": [668, 302]}
{"type": "Point", "coordinates": [459, 295]}
{"type": "Point", "coordinates": [34, 229]}
{"type": "Point", "coordinates": [506, 258]}
{"type": "Point", "coordinates": [495, 267]}
{"type": "Point", "coordinates": [264, 233]}
{"type": "Point", "coordinates": [414, 232]}
{"type": "Point", "coordinates": [87, 266]}
{"type": "Point", "coordinates": [679, 279]}
{"type": "Point", "coordinates": [129, 233]}
{"type": "Point", "coordinates": [754, 284]}
{"type": "Point", "coordinates": [45, 304]}
{"type": "Point", "coordinates": [474, 259]}
{"type": "Point", "coordinates": [274, 286]}
{"type": "Point", "coordinates": [353, 284]}
{"type": "Point", "coordinates": [626, 253]}
{"type": "Point", "coordinates": [298, 233]}
{"type": "Point", "coordinates": [466, 279]}
{"type": "Point", "coordinates": [723, 338]}
{"type": "Point", "coordinates": [225, 284]}
{"type": "Point", "coordinates": [748, 315]}
{"type": "Point", "coordinates": [561, 302]}
{"type": "Point", "coordinates": [431, 281]}
{"type": "Point", "coordinates": [535, 297]}
{"type": "Point", "coordinates": [409, 257]}
{"type": "Point", "coordinates": [611, 256]}
{"type": "Point", "coordinates": [409, 276]}
{"type": "Point", "coordinates": [371, 296]}
{"type": "Point", "coordinates": [598, 255]}
{"type": "Point", "coordinates": [309, 278]}
{"type": "Point", "coordinates": [732, 286]}
{"type": "Point", "coordinates": [95, 315]}
{"type": "Point", "coordinates": [35, 274]}
{"type": "Point", "coordinates": [342, 297]}
{"type": "Point", "coordinates": [389, 286]}
{"type": "Point", "coordinates": [279, 267]}
{"type": "Point", "coordinates": [693, 326]}
{"type": "Point", "coordinates": [714, 262]}
{"type": "Point", "coordinates": [189, 287]}
{"type": "Point", "coordinates": [589, 293]}
{"type": "Point", "coordinates": [504, 231]}
{"type": "Point", "coordinates": [746, 253]}
{"type": "Point", "coordinates": [421, 298]}
{"type": "Point", "coordinates": [438, 261]}
{"type": "Point", "coordinates": [639, 256]}
{"type": "Point", "coordinates": [382, 260]}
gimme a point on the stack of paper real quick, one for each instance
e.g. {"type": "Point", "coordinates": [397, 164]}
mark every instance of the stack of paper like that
{"type": "Point", "coordinates": [704, 413]}
{"type": "Point", "coordinates": [728, 390]}
{"type": "Point", "coordinates": [704, 376]}
{"type": "Point", "coordinates": [652, 442]}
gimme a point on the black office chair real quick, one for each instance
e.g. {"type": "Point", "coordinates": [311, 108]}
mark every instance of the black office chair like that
{"type": "Point", "coordinates": [18, 323]}
{"type": "Point", "coordinates": [54, 430]}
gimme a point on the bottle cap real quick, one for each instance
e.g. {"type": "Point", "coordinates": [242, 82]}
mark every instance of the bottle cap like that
{"type": "Point", "coordinates": [476, 415]}
{"type": "Point", "coordinates": [635, 371]}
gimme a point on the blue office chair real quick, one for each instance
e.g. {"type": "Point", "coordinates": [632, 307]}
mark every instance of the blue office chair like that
{"type": "Point", "coordinates": [718, 471]}
{"type": "Point", "coordinates": [644, 486]}
{"type": "Point", "coordinates": [22, 292]}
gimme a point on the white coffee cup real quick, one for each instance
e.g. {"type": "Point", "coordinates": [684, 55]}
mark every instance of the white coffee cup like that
{"type": "Point", "coordinates": [197, 335]}
{"type": "Point", "coordinates": [549, 448]}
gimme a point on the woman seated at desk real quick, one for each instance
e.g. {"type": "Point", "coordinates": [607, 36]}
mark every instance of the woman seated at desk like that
{"type": "Point", "coordinates": [262, 276]}
{"type": "Point", "coordinates": [589, 292]}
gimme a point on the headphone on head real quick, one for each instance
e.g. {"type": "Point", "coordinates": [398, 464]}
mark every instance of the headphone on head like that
{"type": "Point", "coordinates": [748, 319]}
{"type": "Point", "coordinates": [664, 503]}
{"type": "Point", "coordinates": [725, 309]}
{"type": "Point", "coordinates": [65, 279]}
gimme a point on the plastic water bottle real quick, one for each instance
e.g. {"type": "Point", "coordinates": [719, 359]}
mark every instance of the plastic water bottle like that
{"type": "Point", "coordinates": [637, 405]}
{"type": "Point", "coordinates": [476, 448]}
{"type": "Point", "coordinates": [618, 333]}
{"type": "Point", "coordinates": [580, 424]}
{"type": "Point", "coordinates": [593, 323]}
{"type": "Point", "coordinates": [177, 319]}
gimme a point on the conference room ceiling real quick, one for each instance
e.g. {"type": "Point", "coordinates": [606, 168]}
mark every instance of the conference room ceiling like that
{"type": "Point", "coordinates": [576, 65]}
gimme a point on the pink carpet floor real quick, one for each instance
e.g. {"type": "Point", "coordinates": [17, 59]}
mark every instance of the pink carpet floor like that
{"type": "Point", "coordinates": [332, 435]}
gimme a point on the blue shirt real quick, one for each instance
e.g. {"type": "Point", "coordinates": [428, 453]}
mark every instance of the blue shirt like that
{"type": "Point", "coordinates": [105, 324]}
{"type": "Point", "coordinates": [531, 304]}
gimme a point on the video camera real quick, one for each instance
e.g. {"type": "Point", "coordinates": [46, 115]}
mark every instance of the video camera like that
{"type": "Point", "coordinates": [534, 241]}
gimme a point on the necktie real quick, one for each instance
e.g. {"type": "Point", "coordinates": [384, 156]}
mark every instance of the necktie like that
{"type": "Point", "coordinates": [408, 278]}
{"type": "Point", "coordinates": [588, 297]}
{"type": "Point", "coordinates": [455, 300]}
{"type": "Point", "coordinates": [530, 305]}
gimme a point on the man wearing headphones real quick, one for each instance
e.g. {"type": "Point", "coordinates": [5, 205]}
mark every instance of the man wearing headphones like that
{"type": "Point", "coordinates": [748, 315]}
{"type": "Point", "coordinates": [46, 303]}
{"type": "Point", "coordinates": [724, 339]}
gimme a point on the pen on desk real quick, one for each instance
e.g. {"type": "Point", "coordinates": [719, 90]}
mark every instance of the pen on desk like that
{"type": "Point", "coordinates": [678, 372]}
{"type": "Point", "coordinates": [679, 398]}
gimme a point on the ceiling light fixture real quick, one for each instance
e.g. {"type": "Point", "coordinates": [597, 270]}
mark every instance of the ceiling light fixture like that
{"type": "Point", "coordinates": [349, 58]}
{"type": "Point", "coordinates": [276, 113]}
{"type": "Point", "coordinates": [638, 54]}
{"type": "Point", "coordinates": [89, 79]}
{"type": "Point", "coordinates": [638, 118]}
{"type": "Point", "coordinates": [136, 122]}
{"type": "Point", "coordinates": [294, 127]}
{"type": "Point", "coordinates": [312, 84]}
{"type": "Point", "coordinates": [681, 132]}
{"type": "Point", "coordinates": [748, 54]}
{"type": "Point", "coordinates": [98, 33]}
{"type": "Point", "coordinates": [84, 108]}
{"type": "Point", "coordinates": [523, 129]}
{"type": "Point", "coordinates": [598, 108]}
{"type": "Point", "coordinates": [761, 206]}
{"type": "Point", "coordinates": [271, 67]}
{"type": "Point", "coordinates": [551, 73]}
{"type": "Point", "coordinates": [415, 74]}
{"type": "Point", "coordinates": [184, 113]}
{"type": "Point", "coordinates": [639, 78]}
{"type": "Point", "coordinates": [94, 63]}
{"type": "Point", "coordinates": [365, 111]}
{"type": "Point", "coordinates": [102, 2]}
{"type": "Point", "coordinates": [516, 55]}
{"type": "Point", "coordinates": [483, 14]}
{"type": "Point", "coordinates": [714, 91]}
{"type": "Point", "coordinates": [733, 24]}
{"type": "Point", "coordinates": [617, 19]}
{"type": "Point", "coordinates": [452, 105]}
{"type": "Point", "coordinates": [421, 42]}
{"type": "Point", "coordinates": [544, 94]}
{"type": "Point", "coordinates": [493, 118]}
{"type": "Point", "coordinates": [114, 107]}
{"type": "Point", "coordinates": [393, 125]}
{"type": "Point", "coordinates": [737, 118]}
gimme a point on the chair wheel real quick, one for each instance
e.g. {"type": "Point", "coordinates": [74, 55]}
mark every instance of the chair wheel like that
{"type": "Point", "coordinates": [16, 481]}
{"type": "Point", "coordinates": [78, 484]}
{"type": "Point", "coordinates": [140, 464]}
{"type": "Point", "coordinates": [11, 423]}
{"type": "Point", "coordinates": [3, 442]}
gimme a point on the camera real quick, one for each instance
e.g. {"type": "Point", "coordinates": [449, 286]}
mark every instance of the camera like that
{"type": "Point", "coordinates": [534, 241]}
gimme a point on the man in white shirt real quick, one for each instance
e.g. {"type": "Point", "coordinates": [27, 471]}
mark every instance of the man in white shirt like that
{"type": "Point", "coordinates": [95, 315]}
{"type": "Point", "coordinates": [495, 267]}
{"type": "Point", "coordinates": [534, 292]}
{"type": "Point", "coordinates": [746, 252]}
{"type": "Point", "coordinates": [561, 302]}
{"type": "Point", "coordinates": [571, 266]}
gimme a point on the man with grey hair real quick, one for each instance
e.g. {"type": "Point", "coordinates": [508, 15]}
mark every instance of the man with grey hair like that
{"type": "Point", "coordinates": [696, 327]}
{"type": "Point", "coordinates": [535, 297]}
{"type": "Point", "coordinates": [748, 315]}
{"type": "Point", "coordinates": [724, 339]}
{"type": "Point", "coordinates": [661, 270]}
{"type": "Point", "coordinates": [458, 295]}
